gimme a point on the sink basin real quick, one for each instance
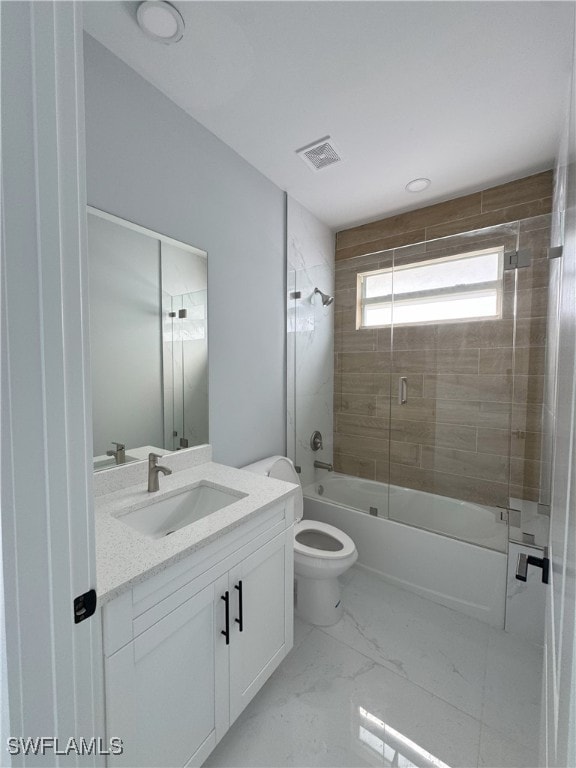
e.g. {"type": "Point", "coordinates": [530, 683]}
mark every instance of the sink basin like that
{"type": "Point", "coordinates": [162, 518]}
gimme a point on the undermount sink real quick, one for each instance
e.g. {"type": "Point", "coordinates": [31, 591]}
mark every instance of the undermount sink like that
{"type": "Point", "coordinates": [161, 518]}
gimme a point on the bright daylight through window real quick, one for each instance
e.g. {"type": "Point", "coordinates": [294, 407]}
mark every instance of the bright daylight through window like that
{"type": "Point", "coordinates": [445, 290]}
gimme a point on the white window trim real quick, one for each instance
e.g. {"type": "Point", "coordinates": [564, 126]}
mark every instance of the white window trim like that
{"type": "Point", "coordinates": [456, 291]}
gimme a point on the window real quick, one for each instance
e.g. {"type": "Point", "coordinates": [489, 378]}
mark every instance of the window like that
{"type": "Point", "coordinates": [446, 290]}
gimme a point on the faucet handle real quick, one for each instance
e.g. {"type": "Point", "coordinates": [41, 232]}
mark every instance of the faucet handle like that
{"type": "Point", "coordinates": [119, 446]}
{"type": "Point", "coordinates": [154, 458]}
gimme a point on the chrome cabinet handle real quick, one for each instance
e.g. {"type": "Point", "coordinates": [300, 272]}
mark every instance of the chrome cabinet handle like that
{"type": "Point", "coordinates": [402, 390]}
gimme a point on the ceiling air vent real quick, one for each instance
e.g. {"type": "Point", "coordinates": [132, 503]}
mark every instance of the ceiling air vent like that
{"type": "Point", "coordinates": [320, 154]}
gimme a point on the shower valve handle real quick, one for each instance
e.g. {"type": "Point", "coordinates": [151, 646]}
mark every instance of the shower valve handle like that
{"type": "Point", "coordinates": [316, 441]}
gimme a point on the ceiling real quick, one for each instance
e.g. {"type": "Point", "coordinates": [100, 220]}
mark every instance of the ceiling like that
{"type": "Point", "coordinates": [468, 94]}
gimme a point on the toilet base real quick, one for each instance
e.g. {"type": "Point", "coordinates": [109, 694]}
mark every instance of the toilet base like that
{"type": "Point", "coordinates": [318, 601]}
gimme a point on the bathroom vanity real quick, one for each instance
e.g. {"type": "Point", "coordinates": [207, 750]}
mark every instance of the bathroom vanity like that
{"type": "Point", "coordinates": [194, 620]}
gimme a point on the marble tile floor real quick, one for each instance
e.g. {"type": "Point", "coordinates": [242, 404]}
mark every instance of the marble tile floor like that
{"type": "Point", "coordinates": [398, 681]}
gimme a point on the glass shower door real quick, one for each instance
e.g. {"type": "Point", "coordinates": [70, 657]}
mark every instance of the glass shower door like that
{"type": "Point", "coordinates": [533, 387]}
{"type": "Point", "coordinates": [452, 357]}
{"type": "Point", "coordinates": [362, 383]}
{"type": "Point", "coordinates": [310, 351]}
{"type": "Point", "coordinates": [185, 369]}
{"type": "Point", "coordinates": [185, 346]}
{"type": "Point", "coordinates": [438, 380]}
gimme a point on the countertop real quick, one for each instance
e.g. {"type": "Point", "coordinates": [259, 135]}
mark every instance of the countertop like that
{"type": "Point", "coordinates": [125, 557]}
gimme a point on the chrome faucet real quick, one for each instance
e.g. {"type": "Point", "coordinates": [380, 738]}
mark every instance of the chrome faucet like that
{"type": "Point", "coordinates": [119, 454]}
{"type": "Point", "coordinates": [154, 470]}
{"type": "Point", "coordinates": [323, 465]}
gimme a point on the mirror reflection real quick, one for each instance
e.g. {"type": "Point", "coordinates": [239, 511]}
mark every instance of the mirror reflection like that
{"type": "Point", "coordinates": [148, 341]}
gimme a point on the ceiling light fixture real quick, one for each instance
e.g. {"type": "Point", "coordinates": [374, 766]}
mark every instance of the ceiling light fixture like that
{"type": "Point", "coordinates": [160, 21]}
{"type": "Point", "coordinates": [418, 185]}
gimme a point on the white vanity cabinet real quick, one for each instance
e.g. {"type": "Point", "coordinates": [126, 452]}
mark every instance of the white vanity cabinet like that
{"type": "Point", "coordinates": [187, 649]}
{"type": "Point", "coordinates": [259, 588]}
{"type": "Point", "coordinates": [160, 688]}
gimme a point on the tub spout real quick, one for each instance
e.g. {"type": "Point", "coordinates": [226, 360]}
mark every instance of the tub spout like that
{"type": "Point", "coordinates": [323, 465]}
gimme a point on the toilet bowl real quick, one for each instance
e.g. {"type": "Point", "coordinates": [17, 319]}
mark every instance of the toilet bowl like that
{"type": "Point", "coordinates": [321, 553]}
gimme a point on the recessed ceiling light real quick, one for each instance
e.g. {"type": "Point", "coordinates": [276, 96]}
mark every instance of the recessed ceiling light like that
{"type": "Point", "coordinates": [418, 185]}
{"type": "Point", "coordinates": [160, 21]}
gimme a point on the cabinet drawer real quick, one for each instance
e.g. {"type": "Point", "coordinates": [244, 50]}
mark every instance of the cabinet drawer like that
{"type": "Point", "coordinates": [144, 620]}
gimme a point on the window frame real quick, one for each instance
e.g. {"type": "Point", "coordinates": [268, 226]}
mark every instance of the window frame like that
{"type": "Point", "coordinates": [452, 291]}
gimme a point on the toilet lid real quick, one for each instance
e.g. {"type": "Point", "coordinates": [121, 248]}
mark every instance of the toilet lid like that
{"type": "Point", "coordinates": [332, 534]}
{"type": "Point", "coordinates": [283, 469]}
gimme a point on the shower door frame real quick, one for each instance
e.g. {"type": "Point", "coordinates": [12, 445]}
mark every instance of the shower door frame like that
{"type": "Point", "coordinates": [510, 238]}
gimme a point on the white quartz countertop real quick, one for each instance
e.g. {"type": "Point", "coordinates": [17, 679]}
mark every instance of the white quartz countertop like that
{"type": "Point", "coordinates": [125, 557]}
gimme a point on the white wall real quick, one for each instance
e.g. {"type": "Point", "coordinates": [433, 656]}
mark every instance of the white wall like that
{"type": "Point", "coordinates": [4, 719]}
{"type": "Point", "coordinates": [48, 547]}
{"type": "Point", "coordinates": [310, 338]}
{"type": "Point", "coordinates": [559, 746]}
{"type": "Point", "coordinates": [151, 163]}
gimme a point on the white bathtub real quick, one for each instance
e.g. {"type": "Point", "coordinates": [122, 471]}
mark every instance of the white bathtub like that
{"type": "Point", "coordinates": [469, 576]}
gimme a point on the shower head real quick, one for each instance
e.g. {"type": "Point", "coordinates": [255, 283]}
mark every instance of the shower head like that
{"type": "Point", "coordinates": [326, 300]}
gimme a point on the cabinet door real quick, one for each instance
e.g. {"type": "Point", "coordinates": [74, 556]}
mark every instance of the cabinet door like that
{"type": "Point", "coordinates": [260, 597]}
{"type": "Point", "coordinates": [160, 689]}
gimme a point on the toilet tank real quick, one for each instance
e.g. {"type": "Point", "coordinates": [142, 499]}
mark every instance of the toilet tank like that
{"type": "Point", "coordinates": [280, 468]}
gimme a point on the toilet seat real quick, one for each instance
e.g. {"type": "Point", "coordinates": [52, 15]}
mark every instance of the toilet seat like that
{"type": "Point", "coordinates": [348, 546]}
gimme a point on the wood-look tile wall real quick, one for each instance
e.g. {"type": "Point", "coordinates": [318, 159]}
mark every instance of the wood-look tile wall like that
{"type": "Point", "coordinates": [521, 199]}
{"type": "Point", "coordinates": [472, 426]}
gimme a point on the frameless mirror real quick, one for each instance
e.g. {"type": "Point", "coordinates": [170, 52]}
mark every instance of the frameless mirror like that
{"type": "Point", "coordinates": [148, 341]}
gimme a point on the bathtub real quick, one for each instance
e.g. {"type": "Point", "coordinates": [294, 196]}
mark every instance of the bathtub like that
{"type": "Point", "coordinates": [421, 549]}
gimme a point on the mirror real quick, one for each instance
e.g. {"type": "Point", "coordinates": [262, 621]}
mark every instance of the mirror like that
{"type": "Point", "coordinates": [148, 341]}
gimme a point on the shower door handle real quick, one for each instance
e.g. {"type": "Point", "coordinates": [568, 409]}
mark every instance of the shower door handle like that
{"type": "Point", "coordinates": [402, 390]}
{"type": "Point", "coordinates": [525, 560]}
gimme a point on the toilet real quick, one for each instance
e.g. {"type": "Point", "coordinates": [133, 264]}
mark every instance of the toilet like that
{"type": "Point", "coordinates": [322, 552]}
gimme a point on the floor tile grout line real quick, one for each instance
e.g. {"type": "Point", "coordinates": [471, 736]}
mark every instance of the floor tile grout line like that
{"type": "Point", "coordinates": [489, 638]}
{"type": "Point", "coordinates": [405, 679]}
{"type": "Point", "coordinates": [482, 726]}
{"type": "Point", "coordinates": [486, 645]}
{"type": "Point", "coordinates": [485, 727]}
{"type": "Point", "coordinates": [486, 662]}
{"type": "Point", "coordinates": [478, 722]}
